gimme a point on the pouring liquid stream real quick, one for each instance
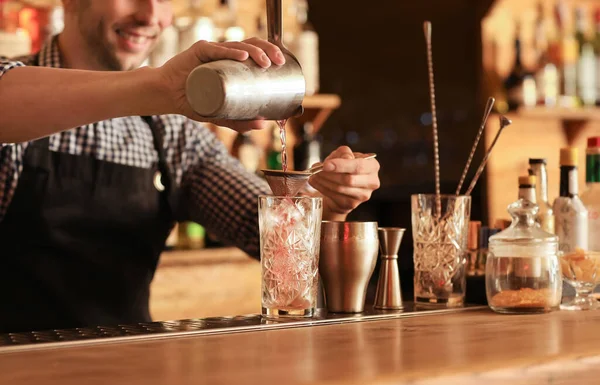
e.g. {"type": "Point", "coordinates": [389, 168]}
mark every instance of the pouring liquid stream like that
{"type": "Point", "coordinates": [281, 124]}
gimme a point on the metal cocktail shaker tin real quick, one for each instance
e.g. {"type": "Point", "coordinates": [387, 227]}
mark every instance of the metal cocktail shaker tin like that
{"type": "Point", "coordinates": [234, 90]}
{"type": "Point", "coordinates": [348, 257]}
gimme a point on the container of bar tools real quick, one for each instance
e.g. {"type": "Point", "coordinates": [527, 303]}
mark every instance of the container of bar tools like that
{"type": "Point", "coordinates": [388, 295]}
{"type": "Point", "coordinates": [235, 90]}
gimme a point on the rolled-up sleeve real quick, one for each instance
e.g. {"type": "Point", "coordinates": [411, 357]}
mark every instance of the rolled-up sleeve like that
{"type": "Point", "coordinates": [222, 195]}
{"type": "Point", "coordinates": [6, 65]}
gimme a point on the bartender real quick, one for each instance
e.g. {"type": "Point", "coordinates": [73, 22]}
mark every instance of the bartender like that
{"type": "Point", "coordinates": [85, 211]}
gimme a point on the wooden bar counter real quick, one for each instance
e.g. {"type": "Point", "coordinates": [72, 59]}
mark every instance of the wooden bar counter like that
{"type": "Point", "coordinates": [468, 347]}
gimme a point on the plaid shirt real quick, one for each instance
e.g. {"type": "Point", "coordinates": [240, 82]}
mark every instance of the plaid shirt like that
{"type": "Point", "coordinates": [224, 195]}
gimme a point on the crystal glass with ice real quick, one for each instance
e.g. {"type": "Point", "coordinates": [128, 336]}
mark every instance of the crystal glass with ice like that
{"type": "Point", "coordinates": [289, 250]}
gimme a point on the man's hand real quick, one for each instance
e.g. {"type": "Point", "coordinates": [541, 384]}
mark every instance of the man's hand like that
{"type": "Point", "coordinates": [174, 73]}
{"type": "Point", "coordinates": [345, 182]}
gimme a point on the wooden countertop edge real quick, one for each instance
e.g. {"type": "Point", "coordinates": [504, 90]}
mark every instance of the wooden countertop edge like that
{"type": "Point", "coordinates": [566, 356]}
{"type": "Point", "coordinates": [556, 371]}
{"type": "Point", "coordinates": [528, 370]}
{"type": "Point", "coordinates": [563, 368]}
{"type": "Point", "coordinates": [547, 371]}
{"type": "Point", "coordinates": [543, 371]}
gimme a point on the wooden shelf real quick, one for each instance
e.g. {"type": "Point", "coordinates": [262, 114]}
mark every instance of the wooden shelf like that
{"type": "Point", "coordinates": [317, 109]}
{"type": "Point", "coordinates": [574, 120]}
{"type": "Point", "coordinates": [322, 101]}
{"type": "Point", "coordinates": [587, 114]}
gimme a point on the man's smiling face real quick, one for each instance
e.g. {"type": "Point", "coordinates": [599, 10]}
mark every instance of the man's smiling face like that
{"type": "Point", "coordinates": [121, 34]}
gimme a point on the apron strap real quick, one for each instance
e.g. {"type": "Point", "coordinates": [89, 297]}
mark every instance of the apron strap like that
{"type": "Point", "coordinates": [170, 193]}
{"type": "Point", "coordinates": [163, 166]}
{"type": "Point", "coordinates": [38, 153]}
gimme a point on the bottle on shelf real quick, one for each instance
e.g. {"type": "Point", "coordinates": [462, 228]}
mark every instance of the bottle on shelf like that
{"type": "Point", "coordinates": [545, 215]}
{"type": "Point", "coordinates": [261, 30]}
{"type": "Point", "coordinates": [196, 235]}
{"type": "Point", "coordinates": [167, 47]}
{"type": "Point", "coordinates": [484, 237]}
{"type": "Point", "coordinates": [569, 56]}
{"type": "Point", "coordinates": [226, 25]}
{"type": "Point", "coordinates": [186, 236]}
{"type": "Point", "coordinates": [586, 65]}
{"type": "Point", "coordinates": [596, 44]}
{"type": "Point", "coordinates": [182, 239]}
{"type": "Point", "coordinates": [591, 195]}
{"type": "Point", "coordinates": [527, 188]}
{"type": "Point", "coordinates": [513, 84]}
{"type": "Point", "coordinates": [15, 38]}
{"type": "Point", "coordinates": [473, 247]}
{"type": "Point", "coordinates": [246, 151]}
{"type": "Point", "coordinates": [305, 46]}
{"type": "Point", "coordinates": [570, 214]}
{"type": "Point", "coordinates": [546, 76]}
{"type": "Point", "coordinates": [172, 241]}
{"type": "Point", "coordinates": [194, 25]}
{"type": "Point", "coordinates": [274, 153]}
{"type": "Point", "coordinates": [580, 26]}
{"type": "Point", "coordinates": [308, 149]}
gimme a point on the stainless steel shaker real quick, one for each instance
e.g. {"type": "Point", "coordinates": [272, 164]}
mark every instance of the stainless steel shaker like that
{"type": "Point", "coordinates": [388, 295]}
{"type": "Point", "coordinates": [347, 259]}
{"type": "Point", "coordinates": [234, 90]}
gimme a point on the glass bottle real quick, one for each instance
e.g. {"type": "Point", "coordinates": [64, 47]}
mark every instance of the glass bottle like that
{"type": "Point", "coordinates": [570, 213]}
{"type": "Point", "coordinates": [596, 44]}
{"type": "Point", "coordinates": [305, 47]}
{"type": "Point", "coordinates": [527, 188]}
{"type": "Point", "coordinates": [591, 195]}
{"type": "Point", "coordinates": [546, 76]}
{"type": "Point", "coordinates": [246, 151]}
{"type": "Point", "coordinates": [308, 149]}
{"type": "Point", "coordinates": [545, 216]}
{"type": "Point", "coordinates": [484, 237]}
{"type": "Point", "coordinates": [513, 84]}
{"type": "Point", "coordinates": [274, 160]}
{"type": "Point", "coordinates": [569, 54]}
{"type": "Point", "coordinates": [194, 25]}
{"type": "Point", "coordinates": [522, 270]}
{"type": "Point", "coordinates": [473, 247]}
{"type": "Point", "coordinates": [586, 64]}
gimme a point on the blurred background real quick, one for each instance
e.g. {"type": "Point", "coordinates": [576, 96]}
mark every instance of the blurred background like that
{"type": "Point", "coordinates": [365, 65]}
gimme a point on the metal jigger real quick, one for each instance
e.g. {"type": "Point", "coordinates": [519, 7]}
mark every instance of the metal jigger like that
{"type": "Point", "coordinates": [389, 295]}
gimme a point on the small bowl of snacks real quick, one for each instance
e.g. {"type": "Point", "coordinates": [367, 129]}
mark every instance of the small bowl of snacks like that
{"type": "Point", "coordinates": [581, 269]}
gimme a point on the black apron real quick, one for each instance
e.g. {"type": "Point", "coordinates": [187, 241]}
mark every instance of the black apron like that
{"type": "Point", "coordinates": [81, 240]}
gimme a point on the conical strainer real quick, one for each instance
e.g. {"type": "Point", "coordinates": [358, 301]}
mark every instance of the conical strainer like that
{"type": "Point", "coordinates": [289, 183]}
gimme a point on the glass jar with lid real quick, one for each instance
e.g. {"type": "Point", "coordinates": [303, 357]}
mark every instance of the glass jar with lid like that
{"type": "Point", "coordinates": [522, 269]}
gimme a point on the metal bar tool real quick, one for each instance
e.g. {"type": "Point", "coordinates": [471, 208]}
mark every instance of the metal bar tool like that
{"type": "Point", "coordinates": [388, 295]}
